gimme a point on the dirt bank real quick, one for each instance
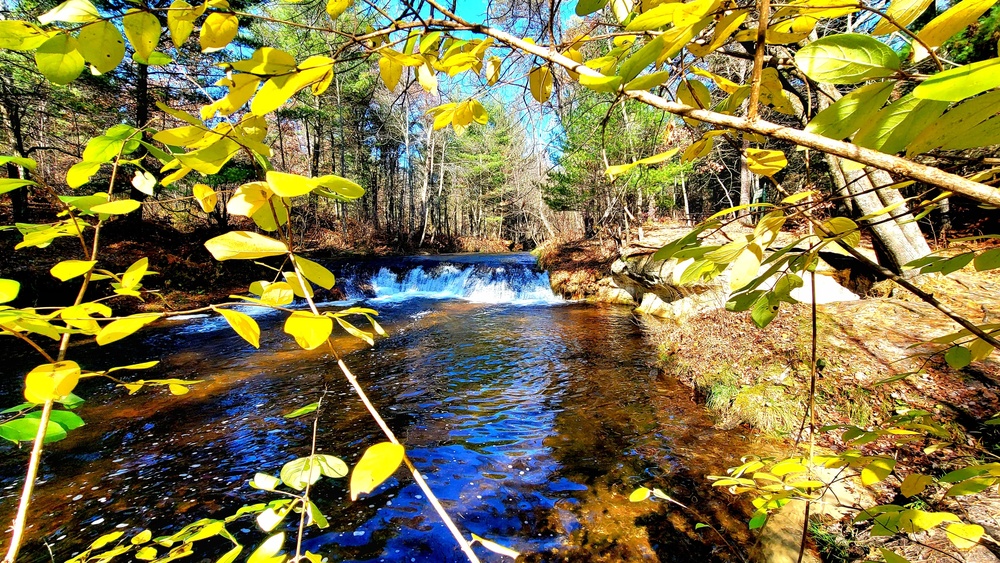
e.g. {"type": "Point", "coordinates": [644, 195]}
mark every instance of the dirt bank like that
{"type": "Point", "coordinates": [759, 379]}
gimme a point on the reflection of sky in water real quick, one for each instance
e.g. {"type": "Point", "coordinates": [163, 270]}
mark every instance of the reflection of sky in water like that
{"type": "Point", "coordinates": [516, 415]}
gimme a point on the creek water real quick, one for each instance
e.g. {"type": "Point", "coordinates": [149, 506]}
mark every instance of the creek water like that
{"type": "Point", "coordinates": [532, 419]}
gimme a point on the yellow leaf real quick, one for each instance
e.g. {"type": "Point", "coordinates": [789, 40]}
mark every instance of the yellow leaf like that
{"type": "Point", "coordinates": [309, 330]}
{"type": "Point", "coordinates": [493, 70]}
{"type": "Point", "coordinates": [51, 382]}
{"type": "Point", "coordinates": [955, 19]}
{"type": "Point", "coordinates": [249, 198]}
{"type": "Point", "coordinates": [765, 162]}
{"type": "Point", "coordinates": [425, 75]}
{"type": "Point", "coordinates": [914, 484]}
{"type": "Point", "coordinates": [266, 61]}
{"type": "Point", "coordinates": [268, 551]}
{"type": "Point", "coordinates": [300, 287]}
{"type": "Point", "coordinates": [73, 11]}
{"type": "Point", "coordinates": [913, 521]}
{"type": "Point", "coordinates": [206, 197]}
{"type": "Point", "coordinates": [244, 245]}
{"type": "Point", "coordinates": [277, 90]}
{"type": "Point", "coordinates": [903, 12]}
{"type": "Point", "coordinates": [217, 31]}
{"type": "Point", "coordinates": [314, 272]}
{"type": "Point", "coordinates": [377, 464]}
{"type": "Point", "coordinates": [336, 7]}
{"type": "Point", "coordinates": [698, 149]}
{"type": "Point", "coordinates": [289, 185]}
{"type": "Point", "coordinates": [745, 267]}
{"type": "Point", "coordinates": [389, 71]}
{"type": "Point", "coordinates": [877, 470]}
{"type": "Point", "coordinates": [607, 84]}
{"type": "Point", "coordinates": [69, 269]}
{"type": "Point", "coordinates": [495, 547]}
{"type": "Point", "coordinates": [102, 45]}
{"type": "Point", "coordinates": [117, 207]}
{"type": "Point", "coordinates": [243, 324]}
{"type": "Point", "coordinates": [277, 294]}
{"type": "Point", "coordinates": [9, 290]}
{"type": "Point", "coordinates": [181, 136]}
{"type": "Point", "coordinates": [964, 536]}
{"type": "Point", "coordinates": [59, 59]}
{"type": "Point", "coordinates": [462, 116]}
{"type": "Point", "coordinates": [120, 328]}
{"type": "Point", "coordinates": [209, 160]}
{"type": "Point", "coordinates": [143, 32]}
{"type": "Point", "coordinates": [724, 29]}
{"type": "Point", "coordinates": [336, 187]}
{"type": "Point", "coordinates": [19, 35]}
{"type": "Point", "coordinates": [180, 21]}
{"type": "Point", "coordinates": [540, 83]}
{"type": "Point", "coordinates": [640, 494]}
{"type": "Point", "coordinates": [178, 389]}
{"type": "Point", "coordinates": [479, 114]}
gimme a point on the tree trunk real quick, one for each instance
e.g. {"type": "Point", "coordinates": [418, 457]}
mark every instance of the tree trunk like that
{"type": "Point", "coordinates": [897, 241]}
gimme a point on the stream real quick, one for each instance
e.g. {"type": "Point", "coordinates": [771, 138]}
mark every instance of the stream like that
{"type": "Point", "coordinates": [532, 418]}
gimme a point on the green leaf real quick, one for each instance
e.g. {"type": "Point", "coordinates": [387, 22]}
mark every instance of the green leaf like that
{"type": "Point", "coordinates": [309, 330]}
{"type": "Point", "coordinates": [758, 520]}
{"type": "Point", "coordinates": [847, 58]}
{"type": "Point", "coordinates": [988, 260]}
{"type": "Point", "coordinates": [377, 464]}
{"type": "Point", "coordinates": [59, 59]}
{"type": "Point", "coordinates": [587, 7]}
{"type": "Point", "coordinates": [648, 81]}
{"type": "Point", "coordinates": [28, 163]}
{"type": "Point", "coordinates": [9, 290]}
{"type": "Point", "coordinates": [765, 310]}
{"type": "Point", "coordinates": [891, 557]}
{"type": "Point", "coordinates": [102, 45]}
{"type": "Point", "coordinates": [302, 411]}
{"type": "Point", "coordinates": [68, 420]}
{"type": "Point", "coordinates": [970, 486]}
{"type": "Point", "coordinates": [959, 127]}
{"type": "Point", "coordinates": [607, 84]}
{"type": "Point", "coordinates": [958, 357]}
{"type": "Point", "coordinates": [25, 429]}
{"type": "Point", "coordinates": [11, 184]}
{"type": "Point", "coordinates": [243, 324]}
{"type": "Point", "coordinates": [307, 470]}
{"type": "Point", "coordinates": [960, 83]}
{"type": "Point", "coordinates": [244, 245]}
{"type": "Point", "coordinates": [848, 114]}
{"type": "Point", "coordinates": [642, 58]}
{"type": "Point", "coordinates": [270, 518]}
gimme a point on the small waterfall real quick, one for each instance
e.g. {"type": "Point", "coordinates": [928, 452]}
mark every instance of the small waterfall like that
{"type": "Point", "coordinates": [503, 278]}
